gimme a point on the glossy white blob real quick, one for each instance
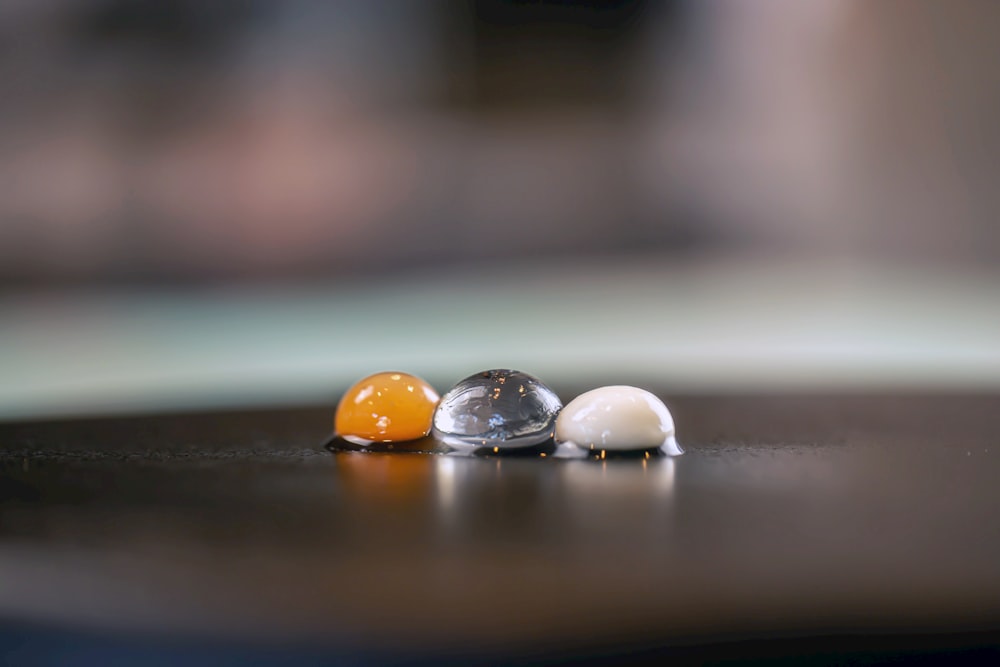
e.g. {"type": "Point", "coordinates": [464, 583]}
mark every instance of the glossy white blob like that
{"type": "Point", "coordinates": [617, 418]}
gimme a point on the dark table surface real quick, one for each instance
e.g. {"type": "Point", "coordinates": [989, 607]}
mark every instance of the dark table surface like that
{"type": "Point", "coordinates": [820, 526]}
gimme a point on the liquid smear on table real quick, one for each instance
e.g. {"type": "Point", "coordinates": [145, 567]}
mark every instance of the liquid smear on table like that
{"type": "Point", "coordinates": [487, 449]}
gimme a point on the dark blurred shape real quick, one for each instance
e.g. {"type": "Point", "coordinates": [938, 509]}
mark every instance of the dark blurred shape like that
{"type": "Point", "coordinates": [181, 29]}
{"type": "Point", "coordinates": [541, 54]}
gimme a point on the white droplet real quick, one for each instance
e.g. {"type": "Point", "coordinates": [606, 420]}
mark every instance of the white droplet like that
{"type": "Point", "coordinates": [617, 418]}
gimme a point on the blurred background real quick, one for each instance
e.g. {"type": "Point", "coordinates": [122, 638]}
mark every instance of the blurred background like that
{"type": "Point", "coordinates": [257, 202]}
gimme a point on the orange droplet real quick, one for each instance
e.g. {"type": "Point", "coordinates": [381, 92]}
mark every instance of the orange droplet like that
{"type": "Point", "coordinates": [386, 407]}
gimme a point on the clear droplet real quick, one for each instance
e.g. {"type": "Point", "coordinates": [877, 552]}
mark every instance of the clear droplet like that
{"type": "Point", "coordinates": [499, 408]}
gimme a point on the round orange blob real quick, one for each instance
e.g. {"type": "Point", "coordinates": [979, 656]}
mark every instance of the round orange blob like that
{"type": "Point", "coordinates": [386, 407]}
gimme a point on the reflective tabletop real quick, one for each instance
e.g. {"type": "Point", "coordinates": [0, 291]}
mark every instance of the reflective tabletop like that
{"type": "Point", "coordinates": [858, 518]}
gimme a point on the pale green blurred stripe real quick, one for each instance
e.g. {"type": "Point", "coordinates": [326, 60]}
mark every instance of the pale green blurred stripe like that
{"type": "Point", "coordinates": [699, 327]}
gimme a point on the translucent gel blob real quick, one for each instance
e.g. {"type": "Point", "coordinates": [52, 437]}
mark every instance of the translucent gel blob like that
{"type": "Point", "coordinates": [617, 419]}
{"type": "Point", "coordinates": [501, 409]}
{"type": "Point", "coordinates": [386, 407]}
